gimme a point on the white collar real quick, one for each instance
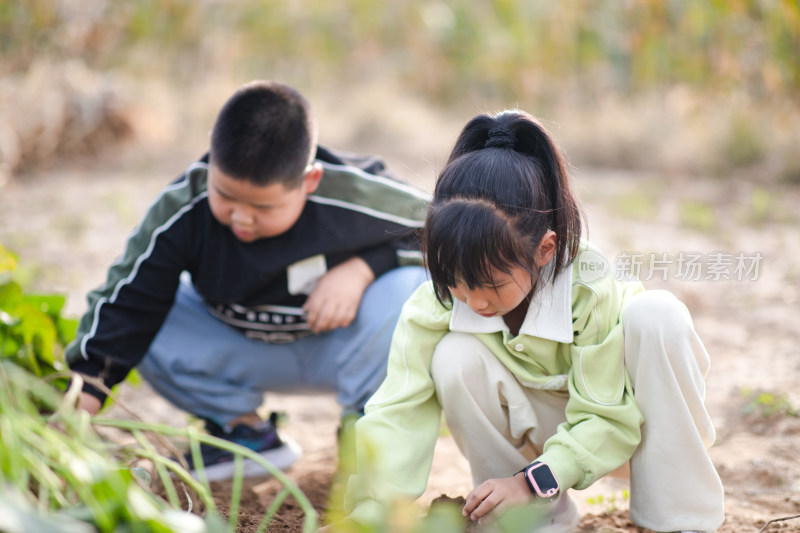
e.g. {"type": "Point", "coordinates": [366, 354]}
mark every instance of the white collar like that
{"type": "Point", "coordinates": [549, 316]}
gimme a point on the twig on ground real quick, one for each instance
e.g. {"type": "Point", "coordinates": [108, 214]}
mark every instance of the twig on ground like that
{"type": "Point", "coordinates": [765, 526]}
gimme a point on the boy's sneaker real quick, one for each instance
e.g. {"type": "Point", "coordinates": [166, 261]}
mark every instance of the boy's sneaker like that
{"type": "Point", "coordinates": [281, 452]}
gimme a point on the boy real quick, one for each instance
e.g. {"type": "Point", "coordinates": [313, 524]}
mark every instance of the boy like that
{"type": "Point", "coordinates": [261, 268]}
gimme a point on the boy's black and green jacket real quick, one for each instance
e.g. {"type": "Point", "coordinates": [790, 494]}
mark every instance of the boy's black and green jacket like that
{"type": "Point", "coordinates": [359, 209]}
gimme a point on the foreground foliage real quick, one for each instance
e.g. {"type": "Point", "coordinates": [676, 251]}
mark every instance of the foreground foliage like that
{"type": "Point", "coordinates": [33, 333]}
{"type": "Point", "coordinates": [58, 474]}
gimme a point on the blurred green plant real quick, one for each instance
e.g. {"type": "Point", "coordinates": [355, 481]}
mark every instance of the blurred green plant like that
{"type": "Point", "coordinates": [168, 471]}
{"type": "Point", "coordinates": [763, 207]}
{"type": "Point", "coordinates": [767, 404]}
{"type": "Point", "coordinates": [404, 516]}
{"type": "Point", "coordinates": [507, 48]}
{"type": "Point", "coordinates": [445, 517]}
{"type": "Point", "coordinates": [697, 215]}
{"type": "Point", "coordinates": [33, 333]}
{"type": "Point", "coordinates": [610, 501]}
{"type": "Point", "coordinates": [57, 474]}
{"type": "Point", "coordinates": [636, 205]}
{"type": "Point", "coordinates": [744, 145]}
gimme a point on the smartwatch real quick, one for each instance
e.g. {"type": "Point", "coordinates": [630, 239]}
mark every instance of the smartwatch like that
{"type": "Point", "coordinates": [541, 481]}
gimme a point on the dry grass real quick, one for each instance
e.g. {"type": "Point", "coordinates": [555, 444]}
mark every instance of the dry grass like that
{"type": "Point", "coordinates": [57, 109]}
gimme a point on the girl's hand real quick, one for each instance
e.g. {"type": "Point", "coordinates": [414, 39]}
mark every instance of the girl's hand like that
{"type": "Point", "coordinates": [334, 301]}
{"type": "Point", "coordinates": [496, 494]}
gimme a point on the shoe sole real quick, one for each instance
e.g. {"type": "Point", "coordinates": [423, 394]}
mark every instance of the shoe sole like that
{"type": "Point", "coordinates": [281, 458]}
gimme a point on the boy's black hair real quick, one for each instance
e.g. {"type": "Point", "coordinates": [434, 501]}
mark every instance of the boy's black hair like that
{"type": "Point", "coordinates": [504, 186]}
{"type": "Point", "coordinates": [265, 133]}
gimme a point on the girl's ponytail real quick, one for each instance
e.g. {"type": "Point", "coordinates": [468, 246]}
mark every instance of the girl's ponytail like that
{"type": "Point", "coordinates": [566, 218]}
{"type": "Point", "coordinates": [473, 136]}
{"type": "Point", "coordinates": [504, 186]}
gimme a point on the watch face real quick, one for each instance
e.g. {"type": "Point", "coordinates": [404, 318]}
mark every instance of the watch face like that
{"type": "Point", "coordinates": [542, 480]}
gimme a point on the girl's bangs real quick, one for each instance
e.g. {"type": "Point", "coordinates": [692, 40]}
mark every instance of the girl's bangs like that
{"type": "Point", "coordinates": [466, 244]}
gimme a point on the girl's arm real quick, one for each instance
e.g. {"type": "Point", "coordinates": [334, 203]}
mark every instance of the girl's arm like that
{"type": "Point", "coordinates": [603, 421]}
{"type": "Point", "coordinates": [395, 439]}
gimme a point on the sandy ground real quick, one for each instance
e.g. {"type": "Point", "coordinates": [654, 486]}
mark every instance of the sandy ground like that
{"type": "Point", "coordinates": [69, 222]}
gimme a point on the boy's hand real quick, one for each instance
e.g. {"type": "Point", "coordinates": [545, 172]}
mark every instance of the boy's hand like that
{"type": "Point", "coordinates": [334, 301]}
{"type": "Point", "coordinates": [89, 403]}
{"type": "Point", "coordinates": [496, 494]}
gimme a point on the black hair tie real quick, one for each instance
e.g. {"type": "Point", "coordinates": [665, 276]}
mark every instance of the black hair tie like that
{"type": "Point", "coordinates": [500, 138]}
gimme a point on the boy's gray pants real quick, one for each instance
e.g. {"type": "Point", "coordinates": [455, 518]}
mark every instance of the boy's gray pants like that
{"type": "Point", "coordinates": [211, 370]}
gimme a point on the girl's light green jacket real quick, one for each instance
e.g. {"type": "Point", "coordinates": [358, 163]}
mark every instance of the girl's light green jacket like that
{"type": "Point", "coordinates": [570, 341]}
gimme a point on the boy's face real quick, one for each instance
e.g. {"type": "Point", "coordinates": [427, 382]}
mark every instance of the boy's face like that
{"type": "Point", "coordinates": [255, 212]}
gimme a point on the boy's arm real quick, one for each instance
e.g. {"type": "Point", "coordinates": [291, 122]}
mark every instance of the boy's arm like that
{"type": "Point", "coordinates": [380, 259]}
{"type": "Point", "coordinates": [126, 312]}
{"type": "Point", "coordinates": [385, 214]}
{"type": "Point", "coordinates": [334, 301]}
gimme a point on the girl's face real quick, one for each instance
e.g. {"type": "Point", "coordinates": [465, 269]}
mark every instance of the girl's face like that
{"type": "Point", "coordinates": [508, 291]}
{"type": "Point", "coordinates": [253, 211]}
{"type": "Point", "coordinates": [503, 295]}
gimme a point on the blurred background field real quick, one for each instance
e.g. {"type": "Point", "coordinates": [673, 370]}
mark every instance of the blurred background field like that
{"type": "Point", "coordinates": [679, 119]}
{"type": "Point", "coordinates": [672, 86]}
{"type": "Point", "coordinates": [112, 99]}
{"type": "Point", "coordinates": [677, 113]}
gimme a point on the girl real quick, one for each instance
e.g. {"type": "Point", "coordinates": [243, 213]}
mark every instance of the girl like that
{"type": "Point", "coordinates": [550, 372]}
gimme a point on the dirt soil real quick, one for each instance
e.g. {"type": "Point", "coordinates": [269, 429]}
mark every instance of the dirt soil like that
{"type": "Point", "coordinates": [69, 222]}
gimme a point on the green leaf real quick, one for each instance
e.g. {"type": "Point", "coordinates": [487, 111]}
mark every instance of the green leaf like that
{"type": "Point", "coordinates": [10, 346]}
{"type": "Point", "coordinates": [521, 519]}
{"type": "Point", "coordinates": [51, 304]}
{"type": "Point", "coordinates": [134, 378]}
{"type": "Point", "coordinates": [67, 327]}
{"type": "Point", "coordinates": [8, 262]}
{"type": "Point", "coordinates": [442, 518]}
{"type": "Point", "coordinates": [38, 332]}
{"type": "Point", "coordinates": [20, 517]}
{"type": "Point", "coordinates": [10, 296]}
